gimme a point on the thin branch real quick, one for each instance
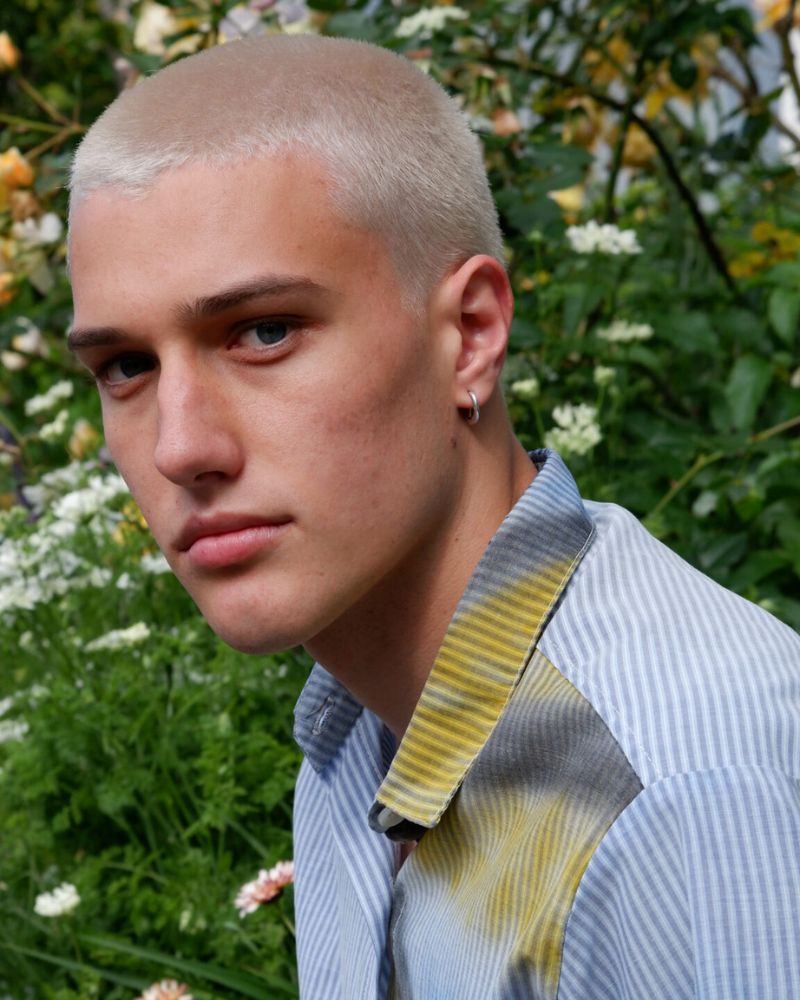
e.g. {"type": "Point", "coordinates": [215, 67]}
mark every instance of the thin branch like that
{"type": "Point", "coordinates": [43, 103]}
{"type": "Point", "coordinates": [703, 461]}
{"type": "Point", "coordinates": [783, 30]}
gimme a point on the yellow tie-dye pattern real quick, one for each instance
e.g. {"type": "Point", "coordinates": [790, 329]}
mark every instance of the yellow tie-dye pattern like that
{"type": "Point", "coordinates": [504, 864]}
{"type": "Point", "coordinates": [483, 654]}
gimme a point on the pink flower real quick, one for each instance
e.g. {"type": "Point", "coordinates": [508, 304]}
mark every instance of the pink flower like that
{"type": "Point", "coordinates": [167, 989]}
{"type": "Point", "coordinates": [266, 887]}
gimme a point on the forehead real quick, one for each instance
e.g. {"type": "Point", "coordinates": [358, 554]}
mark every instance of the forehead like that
{"type": "Point", "coordinates": [201, 225]}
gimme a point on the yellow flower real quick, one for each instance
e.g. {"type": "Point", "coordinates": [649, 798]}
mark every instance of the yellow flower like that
{"type": "Point", "coordinates": [746, 264]}
{"type": "Point", "coordinates": [569, 199]}
{"type": "Point", "coordinates": [84, 440]}
{"type": "Point", "coordinates": [774, 11]}
{"type": "Point", "coordinates": [9, 53]}
{"type": "Point", "coordinates": [638, 150]}
{"type": "Point", "coordinates": [7, 289]}
{"type": "Point", "coordinates": [15, 171]}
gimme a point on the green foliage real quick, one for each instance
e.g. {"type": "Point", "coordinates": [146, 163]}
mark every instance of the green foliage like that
{"type": "Point", "coordinates": [662, 358]}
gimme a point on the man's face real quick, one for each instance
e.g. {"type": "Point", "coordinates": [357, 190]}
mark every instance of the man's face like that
{"type": "Point", "coordinates": [285, 426]}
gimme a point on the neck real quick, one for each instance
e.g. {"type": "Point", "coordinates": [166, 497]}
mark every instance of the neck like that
{"type": "Point", "coordinates": [384, 647]}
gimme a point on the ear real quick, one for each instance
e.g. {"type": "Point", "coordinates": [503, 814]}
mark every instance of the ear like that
{"type": "Point", "coordinates": [477, 304]}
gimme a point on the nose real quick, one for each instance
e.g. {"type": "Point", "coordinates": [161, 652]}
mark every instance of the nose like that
{"type": "Point", "coordinates": [196, 442]}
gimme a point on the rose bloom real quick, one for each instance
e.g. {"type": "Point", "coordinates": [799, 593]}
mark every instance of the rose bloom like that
{"type": "Point", "coordinates": [15, 171]}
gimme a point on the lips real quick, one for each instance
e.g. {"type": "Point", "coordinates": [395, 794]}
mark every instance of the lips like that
{"type": "Point", "coordinates": [228, 539]}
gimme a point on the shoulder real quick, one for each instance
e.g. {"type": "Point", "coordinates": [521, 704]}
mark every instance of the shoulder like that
{"type": "Point", "coordinates": [694, 891]}
{"type": "Point", "coordinates": [687, 675]}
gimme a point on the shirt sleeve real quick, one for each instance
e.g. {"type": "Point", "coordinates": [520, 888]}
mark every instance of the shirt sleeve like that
{"type": "Point", "coordinates": [694, 892]}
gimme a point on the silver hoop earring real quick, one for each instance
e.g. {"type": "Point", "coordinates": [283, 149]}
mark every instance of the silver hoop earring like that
{"type": "Point", "coordinates": [474, 413]}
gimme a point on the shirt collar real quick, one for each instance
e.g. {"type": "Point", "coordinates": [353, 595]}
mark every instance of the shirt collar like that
{"type": "Point", "coordinates": [494, 630]}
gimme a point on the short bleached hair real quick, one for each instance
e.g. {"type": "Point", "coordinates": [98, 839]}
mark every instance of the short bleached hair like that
{"type": "Point", "coordinates": [401, 158]}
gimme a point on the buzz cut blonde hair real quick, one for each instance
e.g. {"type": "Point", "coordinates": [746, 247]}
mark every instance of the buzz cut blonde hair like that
{"type": "Point", "coordinates": [401, 158]}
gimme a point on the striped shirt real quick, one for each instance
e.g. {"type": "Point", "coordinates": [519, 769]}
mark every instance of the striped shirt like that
{"type": "Point", "coordinates": [601, 774]}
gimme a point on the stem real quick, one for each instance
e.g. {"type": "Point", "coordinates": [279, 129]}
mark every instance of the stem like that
{"type": "Point", "coordinates": [28, 123]}
{"type": "Point", "coordinates": [43, 103]}
{"type": "Point", "coordinates": [783, 30]}
{"type": "Point", "coordinates": [54, 140]}
{"type": "Point", "coordinates": [702, 461]}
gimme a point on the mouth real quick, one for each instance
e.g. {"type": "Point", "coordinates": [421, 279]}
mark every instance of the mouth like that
{"type": "Point", "coordinates": [226, 540]}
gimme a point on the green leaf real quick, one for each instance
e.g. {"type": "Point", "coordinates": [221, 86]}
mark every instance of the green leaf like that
{"type": "Point", "coordinates": [783, 309]}
{"type": "Point", "coordinates": [353, 24]}
{"type": "Point", "coordinates": [747, 384]}
{"type": "Point", "coordinates": [256, 987]}
{"type": "Point", "coordinates": [690, 332]}
{"type": "Point", "coordinates": [134, 982]}
{"type": "Point", "coordinates": [683, 69]}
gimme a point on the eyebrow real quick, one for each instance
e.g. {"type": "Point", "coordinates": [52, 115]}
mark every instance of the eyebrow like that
{"type": "Point", "coordinates": [204, 307]}
{"type": "Point", "coordinates": [239, 294]}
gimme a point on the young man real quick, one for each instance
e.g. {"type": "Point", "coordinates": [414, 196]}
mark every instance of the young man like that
{"type": "Point", "coordinates": [543, 756]}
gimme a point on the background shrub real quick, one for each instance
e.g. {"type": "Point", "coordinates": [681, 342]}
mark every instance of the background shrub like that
{"type": "Point", "coordinates": [150, 767]}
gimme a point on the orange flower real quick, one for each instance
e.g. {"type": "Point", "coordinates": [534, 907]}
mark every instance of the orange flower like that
{"type": "Point", "coordinates": [15, 171]}
{"type": "Point", "coordinates": [9, 53]}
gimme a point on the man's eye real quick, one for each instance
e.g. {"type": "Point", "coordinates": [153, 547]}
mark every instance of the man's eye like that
{"type": "Point", "coordinates": [124, 368]}
{"type": "Point", "coordinates": [267, 333]}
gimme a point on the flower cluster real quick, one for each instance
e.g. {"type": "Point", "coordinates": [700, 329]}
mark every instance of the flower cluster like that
{"type": "Point", "coordinates": [526, 388]}
{"type": "Point", "coordinates": [577, 431]}
{"type": "Point", "coordinates": [623, 332]}
{"type": "Point", "coordinates": [61, 900]}
{"type": "Point", "coordinates": [119, 638]}
{"type": "Point", "coordinates": [38, 567]}
{"type": "Point", "coordinates": [607, 238]}
{"type": "Point", "coordinates": [48, 400]}
{"type": "Point", "coordinates": [266, 887]}
{"type": "Point", "coordinates": [427, 21]}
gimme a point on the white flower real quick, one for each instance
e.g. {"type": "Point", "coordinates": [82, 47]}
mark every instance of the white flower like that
{"type": "Point", "coordinates": [61, 900]}
{"type": "Point", "coordinates": [294, 16]}
{"type": "Point", "coordinates": [427, 21]}
{"type": "Point", "coordinates": [156, 23]}
{"type": "Point", "coordinates": [36, 232]}
{"type": "Point", "coordinates": [5, 704]}
{"type": "Point", "coordinates": [54, 395]}
{"type": "Point", "coordinates": [119, 638]}
{"type": "Point", "coordinates": [83, 503]}
{"type": "Point", "coordinates": [56, 428]}
{"type": "Point", "coordinates": [31, 340]}
{"type": "Point", "coordinates": [606, 238]}
{"type": "Point", "coordinates": [266, 887]}
{"type": "Point", "coordinates": [794, 381]}
{"type": "Point", "coordinates": [577, 431]}
{"type": "Point", "coordinates": [12, 730]}
{"type": "Point", "coordinates": [623, 332]}
{"type": "Point", "coordinates": [526, 388]}
{"type": "Point", "coordinates": [604, 375]}
{"type": "Point", "coordinates": [240, 22]}
{"type": "Point", "coordinates": [167, 989]}
{"type": "Point", "coordinates": [154, 564]}
{"type": "Point", "coordinates": [12, 361]}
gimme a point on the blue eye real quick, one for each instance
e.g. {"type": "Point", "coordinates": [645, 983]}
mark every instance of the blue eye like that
{"type": "Point", "coordinates": [125, 367]}
{"type": "Point", "coordinates": [270, 331]}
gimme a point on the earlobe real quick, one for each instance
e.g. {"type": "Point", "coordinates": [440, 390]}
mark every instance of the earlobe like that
{"type": "Point", "coordinates": [480, 305]}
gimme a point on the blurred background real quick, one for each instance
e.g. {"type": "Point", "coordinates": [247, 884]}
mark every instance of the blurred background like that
{"type": "Point", "coordinates": [644, 158]}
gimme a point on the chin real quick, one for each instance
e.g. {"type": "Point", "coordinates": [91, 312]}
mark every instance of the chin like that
{"type": "Point", "coordinates": [256, 631]}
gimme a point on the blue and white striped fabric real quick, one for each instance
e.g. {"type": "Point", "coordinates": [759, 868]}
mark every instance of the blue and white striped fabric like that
{"type": "Point", "coordinates": [630, 825]}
